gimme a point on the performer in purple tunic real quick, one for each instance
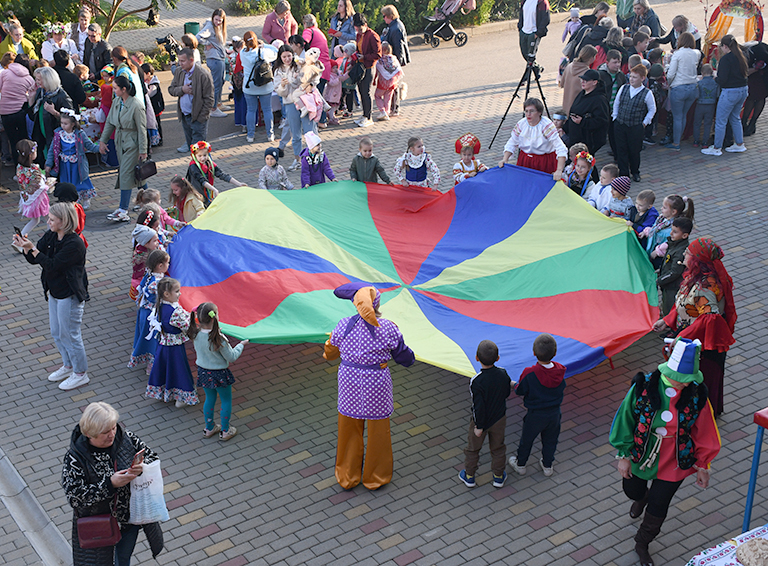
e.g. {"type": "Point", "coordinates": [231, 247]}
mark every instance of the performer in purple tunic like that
{"type": "Point", "coordinates": [365, 342]}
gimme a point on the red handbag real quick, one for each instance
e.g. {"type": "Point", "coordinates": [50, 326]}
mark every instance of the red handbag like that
{"type": "Point", "coordinates": [97, 531]}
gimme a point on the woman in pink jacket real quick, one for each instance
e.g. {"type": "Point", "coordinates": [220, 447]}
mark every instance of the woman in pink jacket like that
{"type": "Point", "coordinates": [15, 83]}
{"type": "Point", "coordinates": [316, 38]}
{"type": "Point", "coordinates": [279, 24]}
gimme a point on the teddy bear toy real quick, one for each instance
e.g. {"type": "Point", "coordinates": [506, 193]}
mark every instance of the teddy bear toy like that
{"type": "Point", "coordinates": [307, 98]}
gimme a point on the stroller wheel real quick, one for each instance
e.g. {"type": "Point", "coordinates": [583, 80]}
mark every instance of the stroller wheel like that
{"type": "Point", "coordinates": [460, 39]}
{"type": "Point", "coordinates": [435, 41]}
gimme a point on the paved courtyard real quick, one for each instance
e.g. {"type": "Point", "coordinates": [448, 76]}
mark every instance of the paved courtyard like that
{"type": "Point", "coordinates": [269, 496]}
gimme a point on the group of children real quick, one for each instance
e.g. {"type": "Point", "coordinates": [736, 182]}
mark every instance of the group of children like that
{"type": "Point", "coordinates": [541, 386]}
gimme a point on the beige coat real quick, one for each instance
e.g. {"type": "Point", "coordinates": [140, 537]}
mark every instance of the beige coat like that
{"type": "Point", "coordinates": [128, 121]}
{"type": "Point", "coordinates": [571, 84]}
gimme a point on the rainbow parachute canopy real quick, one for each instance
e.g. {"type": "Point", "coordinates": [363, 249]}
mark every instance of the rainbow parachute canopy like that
{"type": "Point", "coordinates": [504, 256]}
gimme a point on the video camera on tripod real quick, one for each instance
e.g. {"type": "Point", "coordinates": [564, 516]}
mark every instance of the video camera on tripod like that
{"type": "Point", "coordinates": [171, 46]}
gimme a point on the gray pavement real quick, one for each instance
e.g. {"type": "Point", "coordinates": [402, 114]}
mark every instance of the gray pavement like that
{"type": "Point", "coordinates": [269, 495]}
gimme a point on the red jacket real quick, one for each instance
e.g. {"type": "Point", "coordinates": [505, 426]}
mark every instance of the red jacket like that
{"type": "Point", "coordinates": [80, 222]}
{"type": "Point", "coordinates": [369, 46]}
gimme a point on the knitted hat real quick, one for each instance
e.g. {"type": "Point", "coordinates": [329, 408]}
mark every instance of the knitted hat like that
{"type": "Point", "coordinates": [575, 12]}
{"type": "Point", "coordinates": [621, 185]}
{"type": "Point", "coordinates": [143, 234]}
{"type": "Point", "coordinates": [350, 48]}
{"type": "Point", "coordinates": [656, 71]}
{"type": "Point", "coordinates": [273, 151]}
{"type": "Point", "coordinates": [338, 52]}
{"type": "Point", "coordinates": [312, 139]}
{"type": "Point", "coordinates": [683, 362]}
{"type": "Point", "coordinates": [65, 192]}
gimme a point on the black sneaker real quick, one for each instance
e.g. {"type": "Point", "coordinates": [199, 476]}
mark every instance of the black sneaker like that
{"type": "Point", "coordinates": [648, 141]}
{"type": "Point", "coordinates": [280, 152]}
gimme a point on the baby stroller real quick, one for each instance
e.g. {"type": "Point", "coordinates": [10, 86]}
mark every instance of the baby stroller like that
{"type": "Point", "coordinates": [439, 26]}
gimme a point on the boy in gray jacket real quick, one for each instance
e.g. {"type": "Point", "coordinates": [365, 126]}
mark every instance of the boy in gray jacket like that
{"type": "Point", "coordinates": [365, 165]}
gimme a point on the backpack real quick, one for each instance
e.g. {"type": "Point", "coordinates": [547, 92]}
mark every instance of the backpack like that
{"type": "Point", "coordinates": [261, 73]}
{"type": "Point", "coordinates": [158, 102]}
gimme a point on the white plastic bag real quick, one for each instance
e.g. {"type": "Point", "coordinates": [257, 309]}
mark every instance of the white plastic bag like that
{"type": "Point", "coordinates": [147, 500]}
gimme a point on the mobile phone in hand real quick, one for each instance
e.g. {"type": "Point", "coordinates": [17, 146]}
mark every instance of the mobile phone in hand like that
{"type": "Point", "coordinates": [18, 231]}
{"type": "Point", "coordinates": [138, 458]}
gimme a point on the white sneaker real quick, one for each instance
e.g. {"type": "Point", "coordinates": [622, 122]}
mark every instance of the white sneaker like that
{"type": "Point", "coordinates": [736, 148]}
{"type": "Point", "coordinates": [365, 122]}
{"type": "Point", "coordinates": [180, 404]}
{"type": "Point", "coordinates": [62, 373]}
{"type": "Point", "coordinates": [119, 216]}
{"type": "Point", "coordinates": [74, 381]}
{"type": "Point", "coordinates": [295, 165]}
{"type": "Point", "coordinates": [382, 117]}
{"type": "Point", "coordinates": [712, 150]}
{"type": "Point", "coordinates": [243, 130]}
{"type": "Point", "coordinates": [85, 203]}
{"type": "Point", "coordinates": [182, 149]}
{"type": "Point", "coordinates": [547, 471]}
{"type": "Point", "coordinates": [270, 139]}
{"type": "Point", "coordinates": [224, 107]}
{"type": "Point", "coordinates": [519, 469]}
{"type": "Point", "coordinates": [218, 114]}
{"type": "Point", "coordinates": [249, 139]}
{"type": "Point", "coordinates": [282, 124]}
{"type": "Point", "coordinates": [113, 215]}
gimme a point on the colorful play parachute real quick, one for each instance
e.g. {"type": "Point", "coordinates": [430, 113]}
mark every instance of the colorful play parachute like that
{"type": "Point", "coordinates": [504, 256]}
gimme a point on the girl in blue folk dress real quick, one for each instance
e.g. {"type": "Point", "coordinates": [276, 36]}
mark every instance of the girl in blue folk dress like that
{"type": "Point", "coordinates": [171, 378]}
{"type": "Point", "coordinates": [144, 348]}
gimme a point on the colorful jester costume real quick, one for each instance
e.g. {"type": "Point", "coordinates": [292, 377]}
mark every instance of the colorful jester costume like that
{"type": "Point", "coordinates": [365, 342]}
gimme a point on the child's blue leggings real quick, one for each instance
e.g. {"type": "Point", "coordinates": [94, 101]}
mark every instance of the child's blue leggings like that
{"type": "Point", "coordinates": [210, 403]}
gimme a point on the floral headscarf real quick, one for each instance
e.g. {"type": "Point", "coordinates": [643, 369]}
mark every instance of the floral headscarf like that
{"type": "Point", "coordinates": [708, 252]}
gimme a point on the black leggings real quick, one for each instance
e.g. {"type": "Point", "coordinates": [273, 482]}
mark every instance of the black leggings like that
{"type": "Point", "coordinates": [364, 86]}
{"type": "Point", "coordinates": [348, 95]}
{"type": "Point", "coordinates": [659, 496]}
{"type": "Point", "coordinates": [16, 128]}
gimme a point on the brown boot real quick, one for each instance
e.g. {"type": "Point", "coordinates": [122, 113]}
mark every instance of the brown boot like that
{"type": "Point", "coordinates": [649, 528]}
{"type": "Point", "coordinates": [638, 507]}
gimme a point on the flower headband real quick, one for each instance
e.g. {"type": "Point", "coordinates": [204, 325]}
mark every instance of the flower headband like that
{"type": "Point", "coordinates": [586, 156]}
{"type": "Point", "coordinates": [57, 27]}
{"type": "Point", "coordinates": [195, 147]}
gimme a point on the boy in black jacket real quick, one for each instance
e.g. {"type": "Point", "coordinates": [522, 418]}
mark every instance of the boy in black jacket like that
{"type": "Point", "coordinates": [541, 387]}
{"type": "Point", "coordinates": [671, 271]}
{"type": "Point", "coordinates": [489, 390]}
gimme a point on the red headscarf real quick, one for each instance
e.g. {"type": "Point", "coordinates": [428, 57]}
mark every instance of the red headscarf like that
{"type": "Point", "coordinates": [707, 251]}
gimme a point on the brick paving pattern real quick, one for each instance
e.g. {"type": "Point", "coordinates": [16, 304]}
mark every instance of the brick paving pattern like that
{"type": "Point", "coordinates": [269, 496]}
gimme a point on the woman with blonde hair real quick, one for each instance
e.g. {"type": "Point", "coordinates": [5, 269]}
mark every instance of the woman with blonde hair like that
{"type": "Point", "coordinates": [214, 37]}
{"type": "Point", "coordinates": [570, 81]}
{"type": "Point", "coordinates": [341, 28]}
{"type": "Point", "coordinates": [61, 254]}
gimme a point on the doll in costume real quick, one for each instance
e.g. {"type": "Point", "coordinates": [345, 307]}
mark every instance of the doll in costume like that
{"type": "Point", "coordinates": [202, 171]}
{"type": "Point", "coordinates": [468, 146]}
{"type": "Point", "coordinates": [365, 342]}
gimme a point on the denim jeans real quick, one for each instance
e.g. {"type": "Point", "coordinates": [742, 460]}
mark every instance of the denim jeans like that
{"type": "Point", "coordinates": [217, 68]}
{"type": "Point", "coordinates": [252, 101]}
{"type": "Point", "coordinates": [681, 98]}
{"type": "Point", "coordinates": [728, 109]}
{"type": "Point", "coordinates": [294, 128]}
{"type": "Point", "coordinates": [194, 131]}
{"type": "Point", "coordinates": [124, 548]}
{"type": "Point", "coordinates": [65, 317]}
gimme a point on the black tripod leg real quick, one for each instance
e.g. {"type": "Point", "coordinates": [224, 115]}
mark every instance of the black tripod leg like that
{"type": "Point", "coordinates": [541, 92]}
{"type": "Point", "coordinates": [526, 78]}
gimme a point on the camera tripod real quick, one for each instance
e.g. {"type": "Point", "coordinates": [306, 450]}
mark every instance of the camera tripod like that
{"type": "Point", "coordinates": [531, 68]}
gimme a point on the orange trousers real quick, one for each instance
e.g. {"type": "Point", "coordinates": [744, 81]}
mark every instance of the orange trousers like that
{"type": "Point", "coordinates": [349, 453]}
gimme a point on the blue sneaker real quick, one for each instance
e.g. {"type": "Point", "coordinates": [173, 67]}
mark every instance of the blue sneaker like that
{"type": "Point", "coordinates": [498, 481]}
{"type": "Point", "coordinates": [469, 481]}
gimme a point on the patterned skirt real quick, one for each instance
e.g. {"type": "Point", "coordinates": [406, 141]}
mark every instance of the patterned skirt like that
{"type": "Point", "coordinates": [143, 349]}
{"type": "Point", "coordinates": [213, 378]}
{"type": "Point", "coordinates": [171, 378]}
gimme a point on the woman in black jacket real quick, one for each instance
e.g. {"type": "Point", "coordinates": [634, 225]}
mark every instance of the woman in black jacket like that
{"type": "Point", "coordinates": [589, 114]}
{"type": "Point", "coordinates": [45, 109]}
{"type": "Point", "coordinates": [732, 78]}
{"type": "Point", "coordinates": [61, 254]}
{"type": "Point", "coordinates": [96, 476]}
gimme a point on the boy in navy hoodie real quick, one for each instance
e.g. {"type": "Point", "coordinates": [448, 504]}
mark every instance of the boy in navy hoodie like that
{"type": "Point", "coordinates": [489, 390]}
{"type": "Point", "coordinates": [541, 387]}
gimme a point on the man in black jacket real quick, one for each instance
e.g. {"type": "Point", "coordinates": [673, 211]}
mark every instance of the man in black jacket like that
{"type": "Point", "coordinates": [613, 79]}
{"type": "Point", "coordinates": [532, 26]}
{"type": "Point", "coordinates": [98, 53]}
{"type": "Point", "coordinates": [69, 81]}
